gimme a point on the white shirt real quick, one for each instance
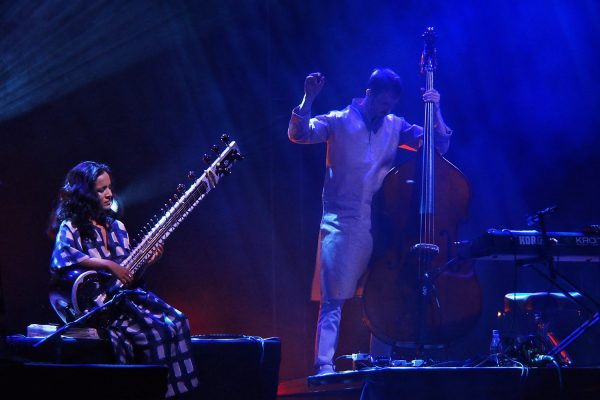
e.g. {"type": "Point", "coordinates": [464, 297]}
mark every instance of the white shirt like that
{"type": "Point", "coordinates": [358, 161]}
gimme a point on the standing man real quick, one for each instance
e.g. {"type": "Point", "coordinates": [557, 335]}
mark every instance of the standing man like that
{"type": "Point", "coordinates": [362, 141]}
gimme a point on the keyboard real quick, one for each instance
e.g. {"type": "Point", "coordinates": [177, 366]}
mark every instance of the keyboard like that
{"type": "Point", "coordinates": [510, 245]}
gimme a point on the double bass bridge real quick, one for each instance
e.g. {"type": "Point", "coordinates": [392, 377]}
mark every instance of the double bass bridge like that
{"type": "Point", "coordinates": [425, 249]}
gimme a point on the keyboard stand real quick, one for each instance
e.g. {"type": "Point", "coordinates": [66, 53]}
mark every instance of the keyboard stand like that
{"type": "Point", "coordinates": [553, 277]}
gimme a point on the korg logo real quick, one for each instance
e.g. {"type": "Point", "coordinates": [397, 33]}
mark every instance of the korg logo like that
{"type": "Point", "coordinates": [530, 240]}
{"type": "Point", "coordinates": [587, 241]}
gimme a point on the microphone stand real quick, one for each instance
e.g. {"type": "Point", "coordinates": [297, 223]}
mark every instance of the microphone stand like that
{"type": "Point", "coordinates": [547, 242]}
{"type": "Point", "coordinates": [83, 318]}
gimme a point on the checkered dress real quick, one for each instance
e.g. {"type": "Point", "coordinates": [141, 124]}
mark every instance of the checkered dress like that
{"type": "Point", "coordinates": [145, 329]}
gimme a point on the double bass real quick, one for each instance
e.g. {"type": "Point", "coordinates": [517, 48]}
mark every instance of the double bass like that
{"type": "Point", "coordinates": [417, 293]}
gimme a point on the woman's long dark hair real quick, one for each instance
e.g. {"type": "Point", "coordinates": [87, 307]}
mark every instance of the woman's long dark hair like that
{"type": "Point", "coordinates": [78, 200]}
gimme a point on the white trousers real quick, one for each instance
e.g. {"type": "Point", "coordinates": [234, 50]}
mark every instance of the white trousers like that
{"type": "Point", "coordinates": [328, 332]}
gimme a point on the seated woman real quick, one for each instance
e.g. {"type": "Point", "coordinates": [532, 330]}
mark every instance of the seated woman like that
{"type": "Point", "coordinates": [142, 328]}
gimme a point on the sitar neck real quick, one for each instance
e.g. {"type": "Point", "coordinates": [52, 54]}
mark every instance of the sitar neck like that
{"type": "Point", "coordinates": [180, 208]}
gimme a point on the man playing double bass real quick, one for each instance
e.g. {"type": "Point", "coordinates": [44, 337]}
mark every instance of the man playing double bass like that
{"type": "Point", "coordinates": [362, 141]}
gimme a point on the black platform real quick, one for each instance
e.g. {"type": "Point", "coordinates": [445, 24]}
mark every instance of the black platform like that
{"type": "Point", "coordinates": [82, 381]}
{"type": "Point", "coordinates": [229, 366]}
{"type": "Point", "coordinates": [420, 383]}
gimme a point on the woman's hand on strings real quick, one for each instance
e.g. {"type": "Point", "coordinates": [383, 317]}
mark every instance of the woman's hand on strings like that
{"type": "Point", "coordinates": [157, 253]}
{"type": "Point", "coordinates": [120, 272]}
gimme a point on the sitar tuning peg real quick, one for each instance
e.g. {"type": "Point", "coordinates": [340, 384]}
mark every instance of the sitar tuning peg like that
{"type": "Point", "coordinates": [225, 138]}
{"type": "Point", "coordinates": [180, 188]}
{"type": "Point", "coordinates": [224, 171]}
{"type": "Point", "coordinates": [191, 175]}
{"type": "Point", "coordinates": [214, 148]}
{"type": "Point", "coordinates": [206, 158]}
{"type": "Point", "coordinates": [236, 155]}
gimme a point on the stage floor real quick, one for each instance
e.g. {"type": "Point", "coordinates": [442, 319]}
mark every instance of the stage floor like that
{"type": "Point", "coordinates": [487, 383]}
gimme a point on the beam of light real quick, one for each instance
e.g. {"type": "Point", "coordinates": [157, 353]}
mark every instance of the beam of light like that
{"type": "Point", "coordinates": [149, 186]}
{"type": "Point", "coordinates": [50, 48]}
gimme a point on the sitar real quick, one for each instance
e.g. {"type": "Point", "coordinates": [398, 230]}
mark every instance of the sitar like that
{"type": "Point", "coordinates": [74, 292]}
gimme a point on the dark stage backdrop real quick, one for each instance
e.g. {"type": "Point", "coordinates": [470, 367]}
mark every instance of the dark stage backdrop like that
{"type": "Point", "coordinates": [148, 86]}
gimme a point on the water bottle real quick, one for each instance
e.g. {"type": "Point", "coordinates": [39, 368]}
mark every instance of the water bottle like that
{"type": "Point", "coordinates": [495, 346]}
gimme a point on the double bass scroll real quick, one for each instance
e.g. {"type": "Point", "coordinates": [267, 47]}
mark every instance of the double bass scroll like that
{"type": "Point", "coordinates": [417, 293]}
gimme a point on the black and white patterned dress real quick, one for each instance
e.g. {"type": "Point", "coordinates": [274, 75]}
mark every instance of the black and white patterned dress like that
{"type": "Point", "coordinates": [143, 328]}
